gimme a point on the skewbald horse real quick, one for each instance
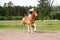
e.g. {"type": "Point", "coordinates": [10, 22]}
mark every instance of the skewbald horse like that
{"type": "Point", "coordinates": [30, 19]}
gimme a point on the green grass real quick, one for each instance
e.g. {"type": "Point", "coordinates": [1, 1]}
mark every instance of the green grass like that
{"type": "Point", "coordinates": [41, 25]}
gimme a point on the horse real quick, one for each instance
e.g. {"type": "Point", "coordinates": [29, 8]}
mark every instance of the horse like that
{"type": "Point", "coordinates": [30, 19]}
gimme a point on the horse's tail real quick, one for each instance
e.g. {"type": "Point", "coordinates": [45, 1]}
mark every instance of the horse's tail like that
{"type": "Point", "coordinates": [22, 23]}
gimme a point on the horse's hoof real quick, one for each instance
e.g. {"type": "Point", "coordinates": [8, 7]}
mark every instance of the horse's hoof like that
{"type": "Point", "coordinates": [34, 30]}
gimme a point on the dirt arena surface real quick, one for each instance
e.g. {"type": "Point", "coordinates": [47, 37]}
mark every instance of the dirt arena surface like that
{"type": "Point", "coordinates": [24, 35]}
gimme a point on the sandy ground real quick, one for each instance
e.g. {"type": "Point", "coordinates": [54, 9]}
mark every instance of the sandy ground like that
{"type": "Point", "coordinates": [24, 35]}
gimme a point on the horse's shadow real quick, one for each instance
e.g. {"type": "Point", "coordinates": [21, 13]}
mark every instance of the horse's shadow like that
{"type": "Point", "coordinates": [45, 31]}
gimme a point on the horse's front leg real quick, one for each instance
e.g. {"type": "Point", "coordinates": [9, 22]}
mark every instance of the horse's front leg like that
{"type": "Point", "coordinates": [28, 28]}
{"type": "Point", "coordinates": [31, 29]}
{"type": "Point", "coordinates": [34, 27]}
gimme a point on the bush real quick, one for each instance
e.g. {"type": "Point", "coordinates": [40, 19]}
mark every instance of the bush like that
{"type": "Point", "coordinates": [3, 18]}
{"type": "Point", "coordinates": [11, 18]}
{"type": "Point", "coordinates": [55, 15]}
{"type": "Point", "coordinates": [17, 18]}
{"type": "Point", "coordinates": [58, 16]}
{"type": "Point", "coordinates": [37, 18]}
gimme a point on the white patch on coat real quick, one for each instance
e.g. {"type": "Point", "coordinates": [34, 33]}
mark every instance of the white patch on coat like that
{"type": "Point", "coordinates": [31, 9]}
{"type": "Point", "coordinates": [29, 15]}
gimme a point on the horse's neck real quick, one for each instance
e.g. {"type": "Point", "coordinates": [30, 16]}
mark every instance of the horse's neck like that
{"type": "Point", "coordinates": [31, 16]}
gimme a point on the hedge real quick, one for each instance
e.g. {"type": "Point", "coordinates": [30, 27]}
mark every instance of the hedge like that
{"type": "Point", "coordinates": [11, 18]}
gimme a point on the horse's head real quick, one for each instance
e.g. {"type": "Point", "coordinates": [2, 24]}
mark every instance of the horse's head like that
{"type": "Point", "coordinates": [33, 12]}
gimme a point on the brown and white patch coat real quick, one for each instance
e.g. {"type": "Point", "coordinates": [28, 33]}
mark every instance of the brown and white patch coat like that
{"type": "Point", "coordinates": [29, 20]}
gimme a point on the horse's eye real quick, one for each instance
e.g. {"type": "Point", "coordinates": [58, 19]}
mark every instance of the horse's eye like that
{"type": "Point", "coordinates": [30, 12]}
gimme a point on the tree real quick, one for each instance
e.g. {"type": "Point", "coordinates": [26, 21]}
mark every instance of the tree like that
{"type": "Point", "coordinates": [1, 11]}
{"type": "Point", "coordinates": [10, 4]}
{"type": "Point", "coordinates": [5, 9]}
{"type": "Point", "coordinates": [8, 8]}
{"type": "Point", "coordinates": [44, 8]}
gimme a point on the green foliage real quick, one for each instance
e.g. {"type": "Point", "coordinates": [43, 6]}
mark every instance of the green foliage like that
{"type": "Point", "coordinates": [55, 15]}
{"type": "Point", "coordinates": [45, 11]}
{"type": "Point", "coordinates": [11, 18]}
{"type": "Point", "coordinates": [37, 18]}
{"type": "Point", "coordinates": [58, 16]}
{"type": "Point", "coordinates": [1, 11]}
{"type": "Point", "coordinates": [17, 18]}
